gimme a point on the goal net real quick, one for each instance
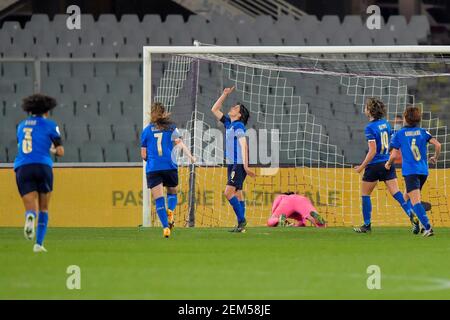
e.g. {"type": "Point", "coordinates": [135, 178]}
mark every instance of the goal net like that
{"type": "Point", "coordinates": [306, 126]}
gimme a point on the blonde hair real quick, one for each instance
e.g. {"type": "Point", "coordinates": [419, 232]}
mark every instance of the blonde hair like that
{"type": "Point", "coordinates": [159, 116]}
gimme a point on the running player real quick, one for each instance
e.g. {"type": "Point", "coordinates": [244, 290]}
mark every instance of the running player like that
{"type": "Point", "coordinates": [236, 152]}
{"type": "Point", "coordinates": [157, 143]}
{"type": "Point", "coordinates": [37, 138]}
{"type": "Point", "coordinates": [412, 141]}
{"type": "Point", "coordinates": [378, 135]}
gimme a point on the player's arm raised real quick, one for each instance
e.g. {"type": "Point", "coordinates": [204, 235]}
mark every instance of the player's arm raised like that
{"type": "Point", "coordinates": [437, 150]}
{"type": "Point", "coordinates": [219, 103]}
{"type": "Point", "coordinates": [370, 155]}
{"type": "Point", "coordinates": [243, 143]}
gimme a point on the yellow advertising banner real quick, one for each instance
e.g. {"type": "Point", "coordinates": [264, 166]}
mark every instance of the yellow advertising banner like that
{"type": "Point", "coordinates": [112, 197]}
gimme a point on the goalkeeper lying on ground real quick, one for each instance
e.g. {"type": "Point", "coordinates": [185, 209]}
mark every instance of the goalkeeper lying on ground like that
{"type": "Point", "coordinates": [293, 206]}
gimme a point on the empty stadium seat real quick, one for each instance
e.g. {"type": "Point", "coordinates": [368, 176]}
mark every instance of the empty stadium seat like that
{"type": "Point", "coordinates": [329, 25]}
{"type": "Point", "coordinates": [129, 22]}
{"type": "Point", "coordinates": [11, 150]}
{"type": "Point", "coordinates": [100, 133]}
{"type": "Point", "coordinates": [76, 133]}
{"type": "Point", "coordinates": [296, 38]}
{"type": "Point", "coordinates": [71, 154]}
{"type": "Point", "coordinates": [116, 152]}
{"type": "Point", "coordinates": [108, 20]}
{"type": "Point", "coordinates": [174, 23]}
{"type": "Point", "coordinates": [316, 38]}
{"type": "Point", "coordinates": [151, 21]}
{"type": "Point", "coordinates": [420, 26]}
{"type": "Point", "coordinates": [13, 70]}
{"type": "Point", "coordinates": [308, 24]}
{"type": "Point", "coordinates": [361, 38]}
{"type": "Point", "coordinates": [352, 24]}
{"type": "Point", "coordinates": [339, 38]}
{"type": "Point", "coordinates": [82, 51]}
{"type": "Point", "coordinates": [90, 38]}
{"type": "Point", "coordinates": [91, 152]}
{"type": "Point", "coordinates": [11, 27]}
{"type": "Point", "coordinates": [38, 21]}
{"type": "Point", "coordinates": [397, 23]}
{"type": "Point", "coordinates": [124, 133]}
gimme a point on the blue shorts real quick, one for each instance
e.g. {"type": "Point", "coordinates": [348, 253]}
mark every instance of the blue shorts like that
{"type": "Point", "coordinates": [169, 178]}
{"type": "Point", "coordinates": [377, 172]}
{"type": "Point", "coordinates": [236, 175]}
{"type": "Point", "coordinates": [414, 182]}
{"type": "Point", "coordinates": [34, 177]}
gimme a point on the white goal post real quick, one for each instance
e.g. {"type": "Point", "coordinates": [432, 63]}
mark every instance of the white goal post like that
{"type": "Point", "coordinates": [196, 50]}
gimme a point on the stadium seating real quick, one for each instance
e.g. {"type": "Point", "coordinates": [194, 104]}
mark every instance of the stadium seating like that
{"type": "Point", "coordinates": [100, 103]}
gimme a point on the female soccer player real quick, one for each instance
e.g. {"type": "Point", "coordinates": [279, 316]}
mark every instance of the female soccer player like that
{"type": "Point", "coordinates": [293, 206]}
{"type": "Point", "coordinates": [236, 153]}
{"type": "Point", "coordinates": [157, 143]}
{"type": "Point", "coordinates": [378, 135]}
{"type": "Point", "coordinates": [37, 137]}
{"type": "Point", "coordinates": [412, 141]}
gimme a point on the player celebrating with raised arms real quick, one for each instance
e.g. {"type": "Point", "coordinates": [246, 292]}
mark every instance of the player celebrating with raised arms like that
{"type": "Point", "coordinates": [37, 138]}
{"type": "Point", "coordinates": [236, 153]}
{"type": "Point", "coordinates": [157, 143]}
{"type": "Point", "coordinates": [412, 141]}
{"type": "Point", "coordinates": [293, 206]}
{"type": "Point", "coordinates": [378, 135]}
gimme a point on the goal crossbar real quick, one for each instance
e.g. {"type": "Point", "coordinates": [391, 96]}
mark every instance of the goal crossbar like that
{"type": "Point", "coordinates": [295, 49]}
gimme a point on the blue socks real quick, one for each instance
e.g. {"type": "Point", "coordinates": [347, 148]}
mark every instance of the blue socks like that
{"type": "Point", "coordinates": [238, 210]}
{"type": "Point", "coordinates": [172, 201]}
{"type": "Point", "coordinates": [160, 204]}
{"type": "Point", "coordinates": [243, 208]}
{"type": "Point", "coordinates": [41, 227]}
{"type": "Point", "coordinates": [422, 215]}
{"type": "Point", "coordinates": [407, 207]}
{"type": "Point", "coordinates": [367, 209]}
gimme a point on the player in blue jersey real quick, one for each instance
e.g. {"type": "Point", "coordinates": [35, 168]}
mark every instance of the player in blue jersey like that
{"type": "Point", "coordinates": [236, 153]}
{"type": "Point", "coordinates": [157, 145]}
{"type": "Point", "coordinates": [412, 141]}
{"type": "Point", "coordinates": [378, 134]}
{"type": "Point", "coordinates": [37, 138]}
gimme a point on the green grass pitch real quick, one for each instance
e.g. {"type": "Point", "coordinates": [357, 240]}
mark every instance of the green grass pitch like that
{"type": "Point", "coordinates": [288, 263]}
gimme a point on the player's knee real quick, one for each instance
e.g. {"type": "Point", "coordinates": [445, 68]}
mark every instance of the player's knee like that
{"type": "Point", "coordinates": [228, 194]}
{"type": "Point", "coordinates": [172, 190]}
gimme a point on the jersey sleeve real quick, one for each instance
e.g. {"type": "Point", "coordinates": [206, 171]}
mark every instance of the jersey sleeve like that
{"type": "Point", "coordinates": [428, 135]}
{"type": "Point", "coordinates": [239, 130]}
{"type": "Point", "coordinates": [370, 136]}
{"type": "Point", "coordinates": [395, 141]}
{"type": "Point", "coordinates": [144, 138]}
{"type": "Point", "coordinates": [225, 120]}
{"type": "Point", "coordinates": [55, 134]}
